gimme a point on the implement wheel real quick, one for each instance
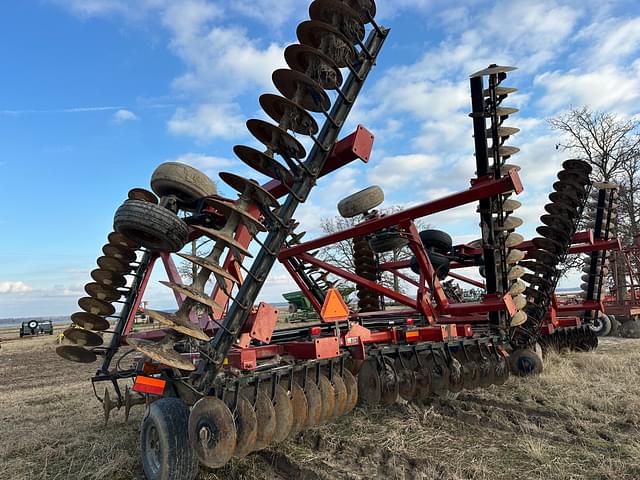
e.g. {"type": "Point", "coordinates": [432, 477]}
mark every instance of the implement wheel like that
{"type": "Point", "coordinates": [361, 202]}
{"type": "Point", "coordinates": [164, 442]}
{"type": "Point", "coordinates": [153, 226]}
{"type": "Point", "coordinates": [601, 326]}
{"type": "Point", "coordinates": [437, 240]}
{"type": "Point", "coordinates": [183, 181]}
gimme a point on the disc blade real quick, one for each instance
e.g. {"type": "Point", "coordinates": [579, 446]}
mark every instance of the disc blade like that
{"type": "Point", "coordinates": [212, 432]}
{"type": "Point", "coordinates": [82, 337]}
{"type": "Point", "coordinates": [209, 265]}
{"type": "Point", "coordinates": [340, 15]}
{"type": "Point", "coordinates": [579, 165]}
{"type": "Point", "coordinates": [407, 388]}
{"type": "Point", "coordinates": [301, 89]}
{"type": "Point", "coordinates": [227, 240]}
{"type": "Point", "coordinates": [113, 264]}
{"type": "Point", "coordinates": [284, 414]}
{"type": "Point", "coordinates": [178, 323]}
{"type": "Point", "coordinates": [143, 195]}
{"type": "Point", "coordinates": [266, 416]}
{"type": "Point", "coordinates": [351, 384]}
{"type": "Point", "coordinates": [504, 150]}
{"type": "Point", "coordinates": [108, 278]}
{"type": "Point", "coordinates": [246, 423]}
{"type": "Point", "coordinates": [493, 70]}
{"type": "Point", "coordinates": [161, 352]}
{"type": "Point", "coordinates": [314, 401]}
{"type": "Point", "coordinates": [276, 139]}
{"type": "Point", "coordinates": [328, 396]}
{"type": "Point", "coordinates": [290, 115]}
{"type": "Point", "coordinates": [300, 408]}
{"type": "Point", "coordinates": [388, 383]}
{"type": "Point", "coordinates": [102, 292]}
{"type": "Point", "coordinates": [124, 254]}
{"type": "Point", "coordinates": [513, 240]}
{"type": "Point", "coordinates": [90, 321]}
{"type": "Point", "coordinates": [191, 293]}
{"type": "Point", "coordinates": [369, 384]}
{"type": "Point", "coordinates": [227, 209]}
{"type": "Point", "coordinates": [548, 244]}
{"type": "Point", "coordinates": [315, 64]}
{"type": "Point", "coordinates": [117, 238]}
{"type": "Point", "coordinates": [95, 306]}
{"type": "Point", "coordinates": [327, 39]}
{"type": "Point", "coordinates": [249, 187]}
{"type": "Point", "coordinates": [340, 390]}
{"type": "Point", "coordinates": [75, 353]}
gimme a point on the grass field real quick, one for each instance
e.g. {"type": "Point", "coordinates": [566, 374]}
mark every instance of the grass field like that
{"type": "Point", "coordinates": [579, 419]}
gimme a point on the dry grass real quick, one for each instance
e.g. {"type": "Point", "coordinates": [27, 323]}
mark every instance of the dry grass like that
{"type": "Point", "coordinates": [579, 420]}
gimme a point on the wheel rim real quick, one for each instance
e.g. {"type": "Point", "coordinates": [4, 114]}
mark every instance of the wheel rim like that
{"type": "Point", "coordinates": [153, 449]}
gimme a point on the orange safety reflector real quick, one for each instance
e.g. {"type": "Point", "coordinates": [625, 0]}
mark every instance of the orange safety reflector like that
{"type": "Point", "coordinates": [334, 308]}
{"type": "Point", "coordinates": [154, 386]}
{"type": "Point", "coordinates": [412, 335]}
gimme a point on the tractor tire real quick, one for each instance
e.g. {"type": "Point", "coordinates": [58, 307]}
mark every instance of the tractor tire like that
{"type": "Point", "coordinates": [152, 226]}
{"type": "Point", "coordinates": [183, 181]}
{"type": "Point", "coordinates": [387, 242]}
{"type": "Point", "coordinates": [164, 441]}
{"type": "Point", "coordinates": [361, 202]}
{"type": "Point", "coordinates": [601, 326]}
{"type": "Point", "coordinates": [615, 326]}
{"type": "Point", "coordinates": [437, 240]}
{"type": "Point", "coordinates": [630, 328]}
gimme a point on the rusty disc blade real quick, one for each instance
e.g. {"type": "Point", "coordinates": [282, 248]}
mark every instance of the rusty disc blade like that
{"type": "Point", "coordinates": [543, 256]}
{"type": "Point", "coordinates": [124, 254]}
{"type": "Point", "coordinates": [276, 139]}
{"type": "Point", "coordinates": [314, 402]}
{"type": "Point", "coordinates": [561, 210]}
{"type": "Point", "coordinates": [162, 352]}
{"type": "Point", "coordinates": [178, 323]}
{"type": "Point", "coordinates": [266, 416]}
{"type": "Point", "coordinates": [191, 293]}
{"type": "Point", "coordinates": [424, 388]}
{"type": "Point", "coordinates": [229, 241]}
{"type": "Point", "coordinates": [209, 265]}
{"type": "Point", "coordinates": [565, 198]}
{"type": "Point", "coordinates": [369, 384]}
{"type": "Point", "coordinates": [109, 278]}
{"type": "Point", "coordinates": [90, 321]}
{"type": "Point", "coordinates": [117, 238]}
{"type": "Point", "coordinates": [501, 371]}
{"type": "Point", "coordinates": [113, 264]}
{"type": "Point", "coordinates": [76, 353]}
{"type": "Point", "coordinates": [95, 306]}
{"type": "Point", "coordinates": [284, 413]}
{"type": "Point", "coordinates": [289, 114]}
{"type": "Point", "coordinates": [579, 165]}
{"type": "Point", "coordinates": [212, 432]}
{"type": "Point", "coordinates": [102, 292]}
{"type": "Point", "coordinates": [340, 390]}
{"type": "Point", "coordinates": [365, 8]}
{"type": "Point", "coordinates": [327, 39]}
{"type": "Point", "coordinates": [493, 70]}
{"type": "Point", "coordinates": [407, 387]}
{"type": "Point", "coordinates": [486, 371]}
{"type": "Point", "coordinates": [574, 177]}
{"type": "Point", "coordinates": [352, 389]}
{"type": "Point", "coordinates": [246, 424]}
{"type": "Point", "coordinates": [142, 195]}
{"type": "Point", "coordinates": [538, 267]}
{"type": "Point", "coordinates": [554, 233]}
{"type": "Point", "coordinates": [299, 406]}
{"type": "Point", "coordinates": [227, 209]}
{"type": "Point", "coordinates": [82, 337]}
{"type": "Point", "coordinates": [470, 371]}
{"type": "Point", "coordinates": [556, 220]}
{"type": "Point", "coordinates": [439, 374]}
{"type": "Point", "coordinates": [548, 244]}
{"type": "Point", "coordinates": [340, 15]}
{"type": "Point", "coordinates": [537, 295]}
{"type": "Point", "coordinates": [504, 132]}
{"type": "Point", "coordinates": [263, 163]}
{"type": "Point", "coordinates": [301, 89]}
{"type": "Point", "coordinates": [569, 188]}
{"type": "Point", "coordinates": [456, 380]}
{"type": "Point", "coordinates": [504, 151]}
{"type": "Point", "coordinates": [249, 187]}
{"type": "Point", "coordinates": [328, 396]}
{"type": "Point", "coordinates": [388, 382]}
{"type": "Point", "coordinates": [315, 64]}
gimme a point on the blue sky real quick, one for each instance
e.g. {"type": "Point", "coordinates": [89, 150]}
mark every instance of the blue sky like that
{"type": "Point", "coordinates": [96, 93]}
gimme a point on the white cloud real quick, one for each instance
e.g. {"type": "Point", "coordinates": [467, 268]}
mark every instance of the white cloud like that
{"type": "Point", "coordinates": [401, 172]}
{"type": "Point", "coordinates": [122, 116]}
{"type": "Point", "coordinates": [209, 121]}
{"type": "Point", "coordinates": [14, 287]}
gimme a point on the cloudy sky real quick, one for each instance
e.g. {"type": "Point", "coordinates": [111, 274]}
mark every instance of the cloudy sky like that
{"type": "Point", "coordinates": [96, 93]}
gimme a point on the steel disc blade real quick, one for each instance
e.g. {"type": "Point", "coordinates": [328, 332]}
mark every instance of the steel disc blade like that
{"type": "Point", "coordinates": [514, 256]}
{"type": "Point", "coordinates": [407, 387]}
{"type": "Point", "coordinates": [538, 268]}
{"type": "Point", "coordinates": [209, 265]}
{"type": "Point", "coordinates": [424, 384]}
{"type": "Point", "coordinates": [329, 40]}
{"type": "Point", "coordinates": [487, 371]}
{"type": "Point", "coordinates": [191, 293]}
{"type": "Point", "coordinates": [495, 70]}
{"type": "Point", "coordinates": [570, 188]}
{"type": "Point", "coordinates": [264, 164]}
{"type": "Point", "coordinates": [227, 209]}
{"type": "Point", "coordinates": [314, 402]}
{"type": "Point", "coordinates": [470, 371]}
{"type": "Point", "coordinates": [562, 210]}
{"type": "Point", "coordinates": [212, 432]}
{"type": "Point", "coordinates": [579, 165]}
{"type": "Point", "coordinates": [517, 287]}
{"type": "Point", "coordinates": [75, 353]}
{"type": "Point", "coordinates": [301, 89]}
{"type": "Point", "coordinates": [328, 396]}
{"type": "Point", "coordinates": [510, 223]}
{"type": "Point", "coordinates": [102, 292]}
{"type": "Point", "coordinates": [538, 296]}
{"type": "Point", "coordinates": [536, 281]}
{"type": "Point", "coordinates": [227, 240]}
{"type": "Point", "coordinates": [266, 416]}
{"type": "Point", "coordinates": [369, 384]}
{"type": "Point", "coordinates": [250, 187]}
{"type": "Point", "coordinates": [340, 15]}
{"type": "Point", "coordinates": [565, 198]}
{"type": "Point", "coordinates": [549, 245]}
{"type": "Point", "coordinates": [143, 195]}
{"type": "Point", "coordinates": [352, 389]}
{"type": "Point", "coordinates": [246, 423]}
{"type": "Point", "coordinates": [283, 110]}
{"type": "Point", "coordinates": [276, 139]}
{"type": "Point", "coordinates": [557, 220]}
{"type": "Point", "coordinates": [95, 306]}
{"type": "Point", "coordinates": [113, 264]}
{"type": "Point", "coordinates": [124, 254]}
{"type": "Point", "coordinates": [284, 414]}
{"type": "Point", "coordinates": [315, 64]}
{"type": "Point", "coordinates": [82, 337]}
{"type": "Point", "coordinates": [388, 383]}
{"type": "Point", "coordinates": [90, 321]}
{"type": "Point", "coordinates": [503, 132]}
{"type": "Point", "coordinates": [366, 8]}
{"type": "Point", "coordinates": [439, 374]}
{"type": "Point", "coordinates": [513, 240]}
{"type": "Point", "coordinates": [456, 380]}
{"type": "Point", "coordinates": [178, 323]}
{"type": "Point", "coordinates": [504, 150]}
{"type": "Point", "coordinates": [117, 238]}
{"type": "Point", "coordinates": [109, 278]}
{"type": "Point", "coordinates": [300, 408]}
{"type": "Point", "coordinates": [162, 352]}
{"type": "Point", "coordinates": [574, 176]}
{"type": "Point", "coordinates": [340, 390]}
{"type": "Point", "coordinates": [543, 256]}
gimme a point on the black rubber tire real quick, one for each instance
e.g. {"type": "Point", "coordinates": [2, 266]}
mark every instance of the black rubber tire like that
{"type": "Point", "coordinates": [601, 326]}
{"type": "Point", "coordinates": [152, 226]}
{"type": "Point", "coordinates": [361, 202]}
{"type": "Point", "coordinates": [438, 261]}
{"type": "Point", "coordinates": [437, 240]}
{"type": "Point", "coordinates": [183, 181]}
{"type": "Point", "coordinates": [387, 241]}
{"type": "Point", "coordinates": [525, 362]}
{"type": "Point", "coordinates": [166, 421]}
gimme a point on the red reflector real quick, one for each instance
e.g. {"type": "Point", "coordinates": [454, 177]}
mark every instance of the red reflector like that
{"type": "Point", "coordinates": [409, 321]}
{"type": "Point", "coordinates": [412, 335]}
{"type": "Point", "coordinates": [154, 386]}
{"type": "Point", "coordinates": [313, 331]}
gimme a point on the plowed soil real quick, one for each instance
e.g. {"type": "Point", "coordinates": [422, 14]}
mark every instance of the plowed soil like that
{"type": "Point", "coordinates": [579, 419]}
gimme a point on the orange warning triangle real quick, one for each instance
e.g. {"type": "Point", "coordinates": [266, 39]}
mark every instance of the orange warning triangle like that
{"type": "Point", "coordinates": [334, 309]}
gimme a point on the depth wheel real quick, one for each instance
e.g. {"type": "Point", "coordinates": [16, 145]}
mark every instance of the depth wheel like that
{"type": "Point", "coordinates": [361, 202]}
{"type": "Point", "coordinates": [183, 181]}
{"type": "Point", "coordinates": [164, 442]}
{"type": "Point", "coordinates": [153, 226]}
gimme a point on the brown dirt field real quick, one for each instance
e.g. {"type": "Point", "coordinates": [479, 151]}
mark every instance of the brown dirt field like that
{"type": "Point", "coordinates": [579, 420]}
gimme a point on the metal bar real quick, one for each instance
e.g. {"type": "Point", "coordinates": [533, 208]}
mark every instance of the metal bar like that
{"type": "Point", "coordinates": [302, 285]}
